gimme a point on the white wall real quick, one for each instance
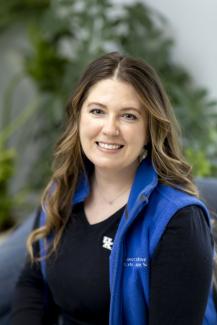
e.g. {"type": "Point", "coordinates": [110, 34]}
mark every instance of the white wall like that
{"type": "Point", "coordinates": [193, 26]}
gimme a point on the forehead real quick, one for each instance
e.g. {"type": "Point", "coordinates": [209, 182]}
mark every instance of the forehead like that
{"type": "Point", "coordinates": [114, 91]}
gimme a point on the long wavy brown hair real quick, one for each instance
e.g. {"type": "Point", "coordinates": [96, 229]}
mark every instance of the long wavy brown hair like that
{"type": "Point", "coordinates": [69, 161]}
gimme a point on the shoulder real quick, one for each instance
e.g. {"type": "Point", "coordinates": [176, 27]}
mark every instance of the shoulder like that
{"type": "Point", "coordinates": [174, 196]}
{"type": "Point", "coordinates": [188, 220]}
{"type": "Point", "coordinates": [171, 200]}
{"type": "Point", "coordinates": [167, 202]}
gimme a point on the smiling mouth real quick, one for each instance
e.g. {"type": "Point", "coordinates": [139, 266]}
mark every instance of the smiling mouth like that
{"type": "Point", "coordinates": [109, 146]}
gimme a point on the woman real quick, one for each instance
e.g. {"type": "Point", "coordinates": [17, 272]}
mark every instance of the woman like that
{"type": "Point", "coordinates": [123, 237]}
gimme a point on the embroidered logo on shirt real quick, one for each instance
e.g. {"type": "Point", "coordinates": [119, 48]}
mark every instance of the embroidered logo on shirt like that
{"type": "Point", "coordinates": [135, 262]}
{"type": "Point", "coordinates": [107, 243]}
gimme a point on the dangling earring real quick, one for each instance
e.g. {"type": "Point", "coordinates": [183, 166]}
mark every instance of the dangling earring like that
{"type": "Point", "coordinates": [143, 154]}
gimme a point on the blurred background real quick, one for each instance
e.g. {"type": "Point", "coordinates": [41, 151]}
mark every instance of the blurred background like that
{"type": "Point", "coordinates": [45, 46]}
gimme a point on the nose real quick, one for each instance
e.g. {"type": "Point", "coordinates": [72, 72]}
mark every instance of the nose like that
{"type": "Point", "coordinates": [111, 127]}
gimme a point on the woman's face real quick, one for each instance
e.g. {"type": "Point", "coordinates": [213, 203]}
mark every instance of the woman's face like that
{"type": "Point", "coordinates": [113, 126]}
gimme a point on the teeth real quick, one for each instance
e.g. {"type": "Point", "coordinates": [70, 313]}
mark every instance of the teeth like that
{"type": "Point", "coordinates": [109, 146]}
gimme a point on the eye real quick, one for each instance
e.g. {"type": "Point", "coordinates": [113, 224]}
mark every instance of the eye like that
{"type": "Point", "coordinates": [130, 116]}
{"type": "Point", "coordinates": [96, 111]}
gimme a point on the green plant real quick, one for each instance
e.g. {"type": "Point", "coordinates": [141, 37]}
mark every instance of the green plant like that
{"type": "Point", "coordinates": [202, 167]}
{"type": "Point", "coordinates": [65, 36]}
{"type": "Point", "coordinates": [7, 166]}
{"type": "Point", "coordinates": [68, 36]}
{"type": "Point", "coordinates": [13, 11]}
{"type": "Point", "coordinates": [7, 157]}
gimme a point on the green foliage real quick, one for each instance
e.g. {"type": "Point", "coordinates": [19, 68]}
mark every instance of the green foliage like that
{"type": "Point", "coordinates": [69, 36]}
{"type": "Point", "coordinates": [12, 11]}
{"type": "Point", "coordinates": [7, 162]}
{"type": "Point", "coordinates": [7, 157]}
{"type": "Point", "coordinates": [65, 35]}
{"type": "Point", "coordinates": [47, 69]}
{"type": "Point", "coordinates": [202, 166]}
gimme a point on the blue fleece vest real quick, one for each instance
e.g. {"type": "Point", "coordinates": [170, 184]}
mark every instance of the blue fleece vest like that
{"type": "Point", "coordinates": [135, 242]}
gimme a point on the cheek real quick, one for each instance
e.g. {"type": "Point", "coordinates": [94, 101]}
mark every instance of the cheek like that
{"type": "Point", "coordinates": [136, 135]}
{"type": "Point", "coordinates": [88, 128]}
{"type": "Point", "coordinates": [142, 134]}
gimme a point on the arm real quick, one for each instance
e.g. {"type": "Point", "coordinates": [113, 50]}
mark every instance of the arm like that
{"type": "Point", "coordinates": [181, 270]}
{"type": "Point", "coordinates": [32, 301]}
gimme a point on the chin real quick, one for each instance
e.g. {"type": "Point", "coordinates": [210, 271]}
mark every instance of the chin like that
{"type": "Point", "coordinates": [106, 166]}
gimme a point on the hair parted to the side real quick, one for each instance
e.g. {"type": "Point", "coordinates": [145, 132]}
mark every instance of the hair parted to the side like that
{"type": "Point", "coordinates": [69, 161]}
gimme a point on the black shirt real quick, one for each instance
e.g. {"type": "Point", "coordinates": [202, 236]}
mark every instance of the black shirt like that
{"type": "Point", "coordinates": [78, 276]}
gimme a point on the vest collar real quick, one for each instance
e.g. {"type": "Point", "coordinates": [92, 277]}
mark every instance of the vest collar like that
{"type": "Point", "coordinates": [144, 182]}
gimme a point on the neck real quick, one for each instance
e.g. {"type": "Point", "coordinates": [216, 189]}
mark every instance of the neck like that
{"type": "Point", "coordinates": [111, 181]}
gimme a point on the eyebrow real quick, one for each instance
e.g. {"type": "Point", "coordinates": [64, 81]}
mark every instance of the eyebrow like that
{"type": "Point", "coordinates": [138, 110]}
